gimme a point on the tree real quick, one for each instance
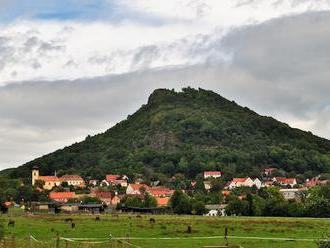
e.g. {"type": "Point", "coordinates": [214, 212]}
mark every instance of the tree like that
{"type": "Point", "coordinates": [198, 208]}
{"type": "Point", "coordinates": [180, 202]}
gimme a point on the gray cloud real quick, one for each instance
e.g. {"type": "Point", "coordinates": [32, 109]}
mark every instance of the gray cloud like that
{"type": "Point", "coordinates": [277, 68]}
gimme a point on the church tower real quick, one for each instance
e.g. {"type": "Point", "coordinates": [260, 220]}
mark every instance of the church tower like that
{"type": "Point", "coordinates": [35, 174]}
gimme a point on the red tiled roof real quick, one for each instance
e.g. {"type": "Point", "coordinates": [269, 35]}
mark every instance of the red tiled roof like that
{"type": "Point", "coordinates": [103, 195]}
{"type": "Point", "coordinates": [138, 186]}
{"type": "Point", "coordinates": [49, 179]}
{"type": "Point", "coordinates": [72, 178]}
{"type": "Point", "coordinates": [159, 191]}
{"type": "Point", "coordinates": [162, 201]}
{"type": "Point", "coordinates": [110, 178]}
{"type": "Point", "coordinates": [285, 180]}
{"type": "Point", "coordinates": [212, 173]}
{"type": "Point", "coordinates": [61, 195]}
{"type": "Point", "coordinates": [239, 180]}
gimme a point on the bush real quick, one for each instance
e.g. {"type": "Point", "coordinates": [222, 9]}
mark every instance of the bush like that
{"type": "Point", "coordinates": [323, 243]}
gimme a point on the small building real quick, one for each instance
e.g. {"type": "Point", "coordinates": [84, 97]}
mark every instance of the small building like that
{"type": "Point", "coordinates": [215, 210]}
{"type": "Point", "coordinates": [162, 201]}
{"type": "Point", "coordinates": [61, 196]}
{"type": "Point", "coordinates": [269, 171]}
{"type": "Point", "coordinates": [291, 194]}
{"type": "Point", "coordinates": [283, 181]}
{"type": "Point", "coordinates": [93, 182]}
{"type": "Point", "coordinates": [160, 191]}
{"type": "Point", "coordinates": [105, 197]}
{"type": "Point", "coordinates": [115, 179]}
{"type": "Point", "coordinates": [207, 185]}
{"type": "Point", "coordinates": [212, 174]}
{"type": "Point", "coordinates": [244, 182]}
{"type": "Point", "coordinates": [91, 208]}
{"type": "Point", "coordinates": [135, 189]}
{"type": "Point", "coordinates": [73, 180]}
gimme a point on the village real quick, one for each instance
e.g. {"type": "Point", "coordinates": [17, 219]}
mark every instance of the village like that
{"type": "Point", "coordinates": [66, 193]}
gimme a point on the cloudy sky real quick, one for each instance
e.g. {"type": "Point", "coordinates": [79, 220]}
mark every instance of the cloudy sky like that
{"type": "Point", "coordinates": [71, 68]}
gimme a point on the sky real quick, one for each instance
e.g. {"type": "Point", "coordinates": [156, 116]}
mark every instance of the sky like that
{"type": "Point", "coordinates": [74, 68]}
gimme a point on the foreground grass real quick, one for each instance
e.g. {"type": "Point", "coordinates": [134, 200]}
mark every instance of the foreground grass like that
{"type": "Point", "coordinates": [46, 227]}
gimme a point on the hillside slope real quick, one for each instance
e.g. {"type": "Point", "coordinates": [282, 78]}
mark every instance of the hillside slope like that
{"type": "Point", "coordinates": [188, 132]}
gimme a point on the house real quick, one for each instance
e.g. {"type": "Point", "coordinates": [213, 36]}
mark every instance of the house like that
{"type": "Point", "coordinates": [207, 185]}
{"type": "Point", "coordinates": [135, 189]}
{"type": "Point", "coordinates": [291, 194]}
{"type": "Point", "coordinates": [115, 200]}
{"type": "Point", "coordinates": [105, 197]}
{"type": "Point", "coordinates": [244, 182]}
{"type": "Point", "coordinates": [315, 181]}
{"type": "Point", "coordinates": [160, 191]}
{"type": "Point", "coordinates": [53, 181]}
{"type": "Point", "coordinates": [162, 201]}
{"type": "Point", "coordinates": [93, 182]}
{"type": "Point", "coordinates": [115, 179]}
{"type": "Point", "coordinates": [73, 180]}
{"type": "Point", "coordinates": [269, 171]}
{"type": "Point", "coordinates": [61, 196]}
{"type": "Point", "coordinates": [283, 181]}
{"type": "Point", "coordinates": [212, 174]}
{"type": "Point", "coordinates": [49, 181]}
{"type": "Point", "coordinates": [215, 210]}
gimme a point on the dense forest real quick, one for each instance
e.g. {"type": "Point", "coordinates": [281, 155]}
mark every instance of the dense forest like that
{"type": "Point", "coordinates": [186, 133]}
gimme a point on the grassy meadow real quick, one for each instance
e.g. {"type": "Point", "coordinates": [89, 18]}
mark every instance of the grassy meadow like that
{"type": "Point", "coordinates": [249, 231]}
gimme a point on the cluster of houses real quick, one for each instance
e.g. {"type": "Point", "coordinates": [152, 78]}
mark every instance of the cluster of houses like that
{"type": "Point", "coordinates": [160, 193]}
{"type": "Point", "coordinates": [290, 189]}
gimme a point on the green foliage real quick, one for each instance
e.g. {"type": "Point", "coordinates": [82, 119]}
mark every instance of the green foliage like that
{"type": "Point", "coordinates": [141, 201]}
{"type": "Point", "coordinates": [181, 203]}
{"type": "Point", "coordinates": [188, 132]}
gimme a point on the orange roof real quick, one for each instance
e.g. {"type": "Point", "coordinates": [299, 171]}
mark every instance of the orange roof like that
{"type": "Point", "coordinates": [158, 191]}
{"type": "Point", "coordinates": [103, 195]}
{"type": "Point", "coordinates": [138, 186]}
{"type": "Point", "coordinates": [72, 178]}
{"type": "Point", "coordinates": [285, 180]}
{"type": "Point", "coordinates": [226, 192]}
{"type": "Point", "coordinates": [162, 201]}
{"type": "Point", "coordinates": [212, 173]}
{"type": "Point", "coordinates": [239, 180]}
{"type": "Point", "coordinates": [49, 179]}
{"type": "Point", "coordinates": [61, 195]}
{"type": "Point", "coordinates": [110, 178]}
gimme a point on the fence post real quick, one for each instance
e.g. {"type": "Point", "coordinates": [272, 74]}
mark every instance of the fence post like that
{"type": "Point", "coordinates": [57, 244]}
{"type": "Point", "coordinates": [30, 241]}
{"type": "Point", "coordinates": [13, 241]}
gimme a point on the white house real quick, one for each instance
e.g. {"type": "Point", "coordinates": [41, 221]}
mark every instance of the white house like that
{"type": "Point", "coordinates": [244, 182]}
{"type": "Point", "coordinates": [285, 181]}
{"type": "Point", "coordinates": [212, 174]}
{"type": "Point", "coordinates": [290, 194]}
{"type": "Point", "coordinates": [135, 189]}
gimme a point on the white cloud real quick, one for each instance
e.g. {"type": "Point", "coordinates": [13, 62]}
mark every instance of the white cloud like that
{"type": "Point", "coordinates": [38, 49]}
{"type": "Point", "coordinates": [278, 68]}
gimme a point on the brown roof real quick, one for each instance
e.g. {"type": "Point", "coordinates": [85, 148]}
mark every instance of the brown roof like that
{"type": "Point", "coordinates": [61, 195]}
{"type": "Point", "coordinates": [49, 179]}
{"type": "Point", "coordinates": [72, 178]}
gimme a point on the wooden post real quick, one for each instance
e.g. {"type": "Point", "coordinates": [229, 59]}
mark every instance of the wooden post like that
{"type": "Point", "coordinates": [30, 241]}
{"type": "Point", "coordinates": [226, 235]}
{"type": "Point", "coordinates": [66, 244]}
{"type": "Point", "coordinates": [57, 244]}
{"type": "Point", "coordinates": [13, 241]}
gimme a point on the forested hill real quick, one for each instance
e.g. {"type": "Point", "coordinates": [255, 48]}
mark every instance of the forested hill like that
{"type": "Point", "coordinates": [188, 132]}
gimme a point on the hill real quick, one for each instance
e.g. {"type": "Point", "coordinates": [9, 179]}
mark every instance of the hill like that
{"type": "Point", "coordinates": [188, 132]}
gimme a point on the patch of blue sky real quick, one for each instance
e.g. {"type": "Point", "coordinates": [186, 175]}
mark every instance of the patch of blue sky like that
{"type": "Point", "coordinates": [55, 9]}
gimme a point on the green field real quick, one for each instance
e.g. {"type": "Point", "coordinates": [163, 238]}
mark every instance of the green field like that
{"type": "Point", "coordinates": [248, 231]}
